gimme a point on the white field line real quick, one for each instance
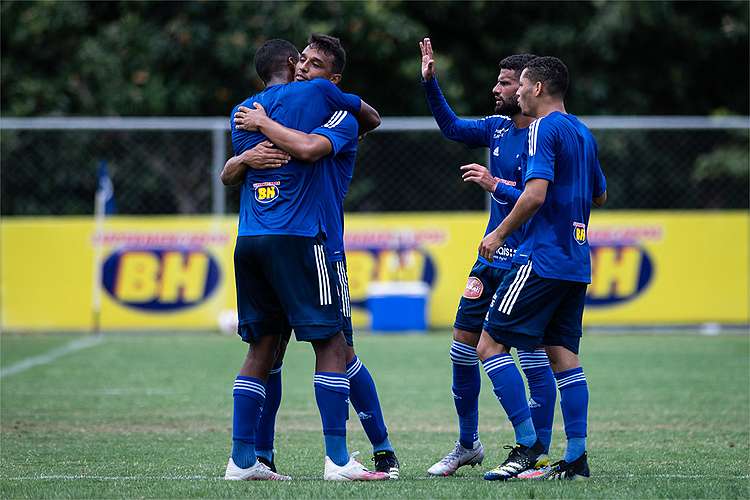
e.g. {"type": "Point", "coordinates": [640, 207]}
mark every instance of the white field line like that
{"type": "Point", "coordinates": [50, 356]}
{"type": "Point", "coordinates": [318, 478]}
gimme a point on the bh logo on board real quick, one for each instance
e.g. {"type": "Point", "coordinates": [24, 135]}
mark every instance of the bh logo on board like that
{"type": "Point", "coordinates": [266, 192]}
{"type": "Point", "coordinates": [389, 256]}
{"type": "Point", "coordinates": [160, 279]}
{"type": "Point", "coordinates": [621, 267]}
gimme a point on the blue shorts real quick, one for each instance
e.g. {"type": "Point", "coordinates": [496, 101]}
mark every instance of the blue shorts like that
{"type": "Point", "coordinates": [346, 307]}
{"type": "Point", "coordinates": [285, 282]}
{"type": "Point", "coordinates": [481, 285]}
{"type": "Point", "coordinates": [528, 311]}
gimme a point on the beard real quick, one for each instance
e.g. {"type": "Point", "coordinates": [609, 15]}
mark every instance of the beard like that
{"type": "Point", "coordinates": [508, 108]}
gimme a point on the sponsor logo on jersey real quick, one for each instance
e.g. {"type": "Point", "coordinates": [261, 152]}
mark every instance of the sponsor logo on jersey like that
{"type": "Point", "coordinates": [160, 279]}
{"type": "Point", "coordinates": [500, 132]}
{"type": "Point", "coordinates": [474, 288]}
{"type": "Point", "coordinates": [266, 192]}
{"type": "Point", "coordinates": [579, 232]}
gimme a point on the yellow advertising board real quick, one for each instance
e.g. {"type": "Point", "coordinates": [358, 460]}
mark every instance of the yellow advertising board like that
{"type": "Point", "coordinates": [649, 268]}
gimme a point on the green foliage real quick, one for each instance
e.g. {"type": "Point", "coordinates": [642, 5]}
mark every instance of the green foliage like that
{"type": "Point", "coordinates": [195, 58]}
{"type": "Point", "coordinates": [149, 416]}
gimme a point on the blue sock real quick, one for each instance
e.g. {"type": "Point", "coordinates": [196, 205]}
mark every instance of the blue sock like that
{"type": "Point", "coordinates": [508, 387]}
{"type": "Point", "coordinates": [331, 394]}
{"type": "Point", "coordinates": [364, 398]}
{"type": "Point", "coordinates": [574, 402]}
{"type": "Point", "coordinates": [249, 394]}
{"type": "Point", "coordinates": [542, 391]}
{"type": "Point", "coordinates": [266, 430]}
{"type": "Point", "coordinates": [466, 385]}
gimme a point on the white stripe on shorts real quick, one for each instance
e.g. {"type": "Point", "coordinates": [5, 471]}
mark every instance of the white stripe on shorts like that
{"type": "Point", "coordinates": [346, 307]}
{"type": "Point", "coordinates": [324, 285]}
{"type": "Point", "coordinates": [509, 306]}
{"type": "Point", "coordinates": [512, 287]}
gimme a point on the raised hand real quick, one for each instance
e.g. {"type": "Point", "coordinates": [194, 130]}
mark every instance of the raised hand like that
{"type": "Point", "coordinates": [249, 119]}
{"type": "Point", "coordinates": [428, 61]}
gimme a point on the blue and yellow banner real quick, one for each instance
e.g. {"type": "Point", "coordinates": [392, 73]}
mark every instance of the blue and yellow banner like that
{"type": "Point", "coordinates": [649, 268]}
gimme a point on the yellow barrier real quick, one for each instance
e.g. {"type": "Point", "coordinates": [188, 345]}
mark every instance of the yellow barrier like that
{"type": "Point", "coordinates": [177, 272]}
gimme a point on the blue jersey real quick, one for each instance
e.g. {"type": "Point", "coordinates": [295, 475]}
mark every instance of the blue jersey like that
{"type": "Point", "coordinates": [561, 150]}
{"type": "Point", "coordinates": [287, 200]}
{"type": "Point", "coordinates": [337, 168]}
{"type": "Point", "coordinates": [506, 143]}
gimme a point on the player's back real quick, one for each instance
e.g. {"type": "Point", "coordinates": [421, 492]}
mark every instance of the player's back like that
{"type": "Point", "coordinates": [285, 200]}
{"type": "Point", "coordinates": [563, 151]}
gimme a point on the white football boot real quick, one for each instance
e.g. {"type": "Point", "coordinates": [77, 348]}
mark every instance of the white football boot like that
{"type": "Point", "coordinates": [351, 471]}
{"type": "Point", "coordinates": [258, 472]}
{"type": "Point", "coordinates": [459, 457]}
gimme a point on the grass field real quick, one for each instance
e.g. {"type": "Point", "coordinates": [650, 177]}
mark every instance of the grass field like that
{"type": "Point", "coordinates": [149, 415]}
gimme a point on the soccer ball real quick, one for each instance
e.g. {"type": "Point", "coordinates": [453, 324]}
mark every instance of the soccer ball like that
{"type": "Point", "coordinates": [227, 320]}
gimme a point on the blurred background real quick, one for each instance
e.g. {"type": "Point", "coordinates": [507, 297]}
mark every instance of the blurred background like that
{"type": "Point", "coordinates": [138, 93]}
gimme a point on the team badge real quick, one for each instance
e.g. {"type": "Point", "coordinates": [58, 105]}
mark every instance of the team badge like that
{"type": "Point", "coordinates": [266, 192]}
{"type": "Point", "coordinates": [474, 288]}
{"type": "Point", "coordinates": [579, 232]}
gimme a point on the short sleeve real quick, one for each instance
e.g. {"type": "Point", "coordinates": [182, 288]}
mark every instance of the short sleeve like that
{"type": "Point", "coordinates": [542, 144]}
{"type": "Point", "coordinates": [341, 130]}
{"type": "Point", "coordinates": [600, 182]}
{"type": "Point", "coordinates": [335, 98]}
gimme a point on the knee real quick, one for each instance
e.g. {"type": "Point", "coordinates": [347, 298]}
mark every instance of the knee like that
{"type": "Point", "coordinates": [466, 338]}
{"type": "Point", "coordinates": [487, 347]}
{"type": "Point", "coordinates": [485, 350]}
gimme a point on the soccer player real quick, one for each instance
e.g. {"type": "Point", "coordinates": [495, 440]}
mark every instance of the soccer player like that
{"type": "Point", "coordinates": [541, 301]}
{"type": "Point", "coordinates": [335, 142]}
{"type": "Point", "coordinates": [282, 273]}
{"type": "Point", "coordinates": [505, 134]}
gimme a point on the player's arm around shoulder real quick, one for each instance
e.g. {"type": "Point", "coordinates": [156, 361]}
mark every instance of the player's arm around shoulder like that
{"type": "Point", "coordinates": [340, 132]}
{"type": "Point", "coordinates": [367, 116]}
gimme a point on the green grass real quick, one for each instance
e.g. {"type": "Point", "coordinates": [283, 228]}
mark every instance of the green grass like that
{"type": "Point", "coordinates": [150, 416]}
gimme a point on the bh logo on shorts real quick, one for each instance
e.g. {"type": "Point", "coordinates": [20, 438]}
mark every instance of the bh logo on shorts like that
{"type": "Point", "coordinates": [579, 232]}
{"type": "Point", "coordinates": [160, 279]}
{"type": "Point", "coordinates": [266, 192]}
{"type": "Point", "coordinates": [473, 288]}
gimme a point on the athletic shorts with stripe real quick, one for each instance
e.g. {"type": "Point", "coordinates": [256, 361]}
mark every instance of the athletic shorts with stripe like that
{"type": "Point", "coordinates": [528, 311]}
{"type": "Point", "coordinates": [285, 282]}
{"type": "Point", "coordinates": [346, 306]}
{"type": "Point", "coordinates": [480, 286]}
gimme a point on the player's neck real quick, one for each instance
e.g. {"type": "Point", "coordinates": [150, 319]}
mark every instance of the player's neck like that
{"type": "Point", "coordinates": [522, 121]}
{"type": "Point", "coordinates": [277, 80]}
{"type": "Point", "coordinates": [550, 107]}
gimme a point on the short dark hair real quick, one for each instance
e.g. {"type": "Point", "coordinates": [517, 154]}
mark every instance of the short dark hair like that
{"type": "Point", "coordinates": [516, 62]}
{"type": "Point", "coordinates": [551, 71]}
{"type": "Point", "coordinates": [272, 58]}
{"type": "Point", "coordinates": [331, 46]}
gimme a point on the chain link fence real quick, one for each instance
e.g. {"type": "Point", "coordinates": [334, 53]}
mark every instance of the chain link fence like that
{"type": "Point", "coordinates": [170, 166]}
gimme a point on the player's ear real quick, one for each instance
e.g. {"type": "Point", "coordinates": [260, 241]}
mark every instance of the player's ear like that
{"type": "Point", "coordinates": [335, 79]}
{"type": "Point", "coordinates": [538, 87]}
{"type": "Point", "coordinates": [292, 61]}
